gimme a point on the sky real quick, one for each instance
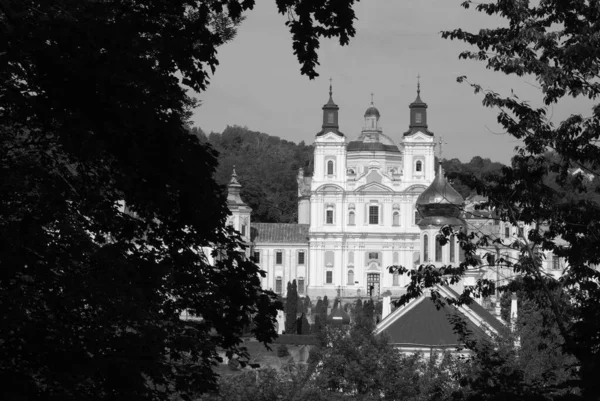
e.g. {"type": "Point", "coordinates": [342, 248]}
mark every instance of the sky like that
{"type": "Point", "coordinates": [258, 82]}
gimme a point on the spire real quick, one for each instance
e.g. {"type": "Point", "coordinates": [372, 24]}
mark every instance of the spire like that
{"type": "Point", "coordinates": [330, 115]}
{"type": "Point", "coordinates": [233, 190]}
{"type": "Point", "coordinates": [418, 114]}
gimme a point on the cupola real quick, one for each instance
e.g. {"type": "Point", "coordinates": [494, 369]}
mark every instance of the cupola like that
{"type": "Point", "coordinates": [233, 191]}
{"type": "Point", "coordinates": [330, 116]}
{"type": "Point", "coordinates": [418, 115]}
{"type": "Point", "coordinates": [372, 118]}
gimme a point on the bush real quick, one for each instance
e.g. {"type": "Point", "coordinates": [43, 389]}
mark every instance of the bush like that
{"type": "Point", "coordinates": [282, 351]}
{"type": "Point", "coordinates": [234, 364]}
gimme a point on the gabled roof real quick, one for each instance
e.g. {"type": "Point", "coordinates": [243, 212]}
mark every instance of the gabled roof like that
{"type": "Point", "coordinates": [279, 233]}
{"type": "Point", "coordinates": [420, 324]}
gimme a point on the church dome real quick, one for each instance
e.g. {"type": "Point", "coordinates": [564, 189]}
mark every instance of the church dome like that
{"type": "Point", "coordinates": [338, 316]}
{"type": "Point", "coordinates": [440, 204]}
{"type": "Point", "coordinates": [372, 141]}
{"type": "Point", "coordinates": [372, 111]}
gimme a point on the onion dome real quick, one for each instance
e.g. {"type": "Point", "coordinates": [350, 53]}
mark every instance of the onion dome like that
{"type": "Point", "coordinates": [372, 112]}
{"type": "Point", "coordinates": [440, 204]}
{"type": "Point", "coordinates": [338, 316]}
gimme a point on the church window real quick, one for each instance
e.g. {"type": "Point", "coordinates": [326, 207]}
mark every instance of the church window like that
{"type": "Point", "coordinates": [329, 217]}
{"type": "Point", "coordinates": [396, 279]}
{"type": "Point", "coordinates": [330, 167]}
{"type": "Point", "coordinates": [301, 257]}
{"type": "Point", "coordinates": [350, 277]}
{"type": "Point", "coordinates": [452, 248]}
{"type": "Point", "coordinates": [419, 166]}
{"type": "Point", "coordinates": [521, 232]}
{"type": "Point", "coordinates": [373, 214]}
{"type": "Point", "coordinates": [330, 117]}
{"type": "Point", "coordinates": [555, 262]}
{"type": "Point", "coordinates": [278, 285]}
{"type": "Point", "coordinates": [438, 250]}
{"type": "Point", "coordinates": [300, 285]}
{"type": "Point", "coordinates": [256, 257]}
{"type": "Point", "coordinates": [329, 277]}
{"type": "Point", "coordinates": [418, 118]}
{"type": "Point", "coordinates": [395, 258]}
{"type": "Point", "coordinates": [351, 257]}
{"type": "Point", "coordinates": [506, 232]}
{"type": "Point", "coordinates": [417, 217]}
{"type": "Point", "coordinates": [278, 257]}
{"type": "Point", "coordinates": [425, 248]}
{"type": "Point", "coordinates": [396, 219]}
{"type": "Point", "coordinates": [243, 230]}
{"type": "Point", "coordinates": [373, 255]}
{"type": "Point", "coordinates": [351, 218]}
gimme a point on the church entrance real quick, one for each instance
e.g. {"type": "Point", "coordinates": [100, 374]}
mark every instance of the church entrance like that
{"type": "Point", "coordinates": [373, 284]}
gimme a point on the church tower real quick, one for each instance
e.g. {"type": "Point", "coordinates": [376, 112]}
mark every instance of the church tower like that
{"type": "Point", "coordinates": [417, 145]}
{"type": "Point", "coordinates": [330, 147]}
{"type": "Point", "coordinates": [240, 212]}
{"type": "Point", "coordinates": [439, 205]}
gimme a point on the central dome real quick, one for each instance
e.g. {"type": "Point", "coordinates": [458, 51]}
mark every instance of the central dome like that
{"type": "Point", "coordinates": [372, 141]}
{"type": "Point", "coordinates": [440, 204]}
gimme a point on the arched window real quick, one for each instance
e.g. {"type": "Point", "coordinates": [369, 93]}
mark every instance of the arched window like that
{"type": "Point", "coordinates": [350, 277]}
{"type": "Point", "coordinates": [419, 166]}
{"type": "Point", "coordinates": [438, 250]}
{"type": "Point", "coordinates": [425, 248]}
{"type": "Point", "coordinates": [452, 248]}
{"type": "Point", "coordinates": [351, 218]}
{"type": "Point", "coordinates": [330, 167]}
{"type": "Point", "coordinates": [396, 219]}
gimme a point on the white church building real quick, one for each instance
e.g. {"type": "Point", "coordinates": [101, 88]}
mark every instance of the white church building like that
{"type": "Point", "coordinates": [356, 215]}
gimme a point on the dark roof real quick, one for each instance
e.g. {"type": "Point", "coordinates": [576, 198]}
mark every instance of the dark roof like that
{"type": "Point", "coordinates": [424, 325]}
{"type": "Point", "coordinates": [279, 232]}
{"type": "Point", "coordinates": [482, 313]}
{"type": "Point", "coordinates": [360, 146]}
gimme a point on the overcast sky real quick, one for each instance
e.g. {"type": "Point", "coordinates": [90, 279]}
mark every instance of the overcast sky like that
{"type": "Point", "coordinates": [258, 82]}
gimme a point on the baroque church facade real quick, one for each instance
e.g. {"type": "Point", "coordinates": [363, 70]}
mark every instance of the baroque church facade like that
{"type": "Point", "coordinates": [357, 213]}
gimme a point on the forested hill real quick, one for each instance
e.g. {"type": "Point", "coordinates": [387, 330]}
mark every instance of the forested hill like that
{"type": "Point", "coordinates": [267, 167]}
{"type": "Point", "coordinates": [477, 167]}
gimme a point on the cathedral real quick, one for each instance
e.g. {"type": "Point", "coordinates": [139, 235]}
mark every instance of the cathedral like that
{"type": "Point", "coordinates": [358, 213]}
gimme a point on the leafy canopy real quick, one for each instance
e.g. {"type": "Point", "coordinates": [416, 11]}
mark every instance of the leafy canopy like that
{"type": "Point", "coordinates": [93, 107]}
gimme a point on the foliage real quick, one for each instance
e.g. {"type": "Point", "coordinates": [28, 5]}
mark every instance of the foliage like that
{"type": "Point", "coordinates": [291, 307]}
{"type": "Point", "coordinates": [267, 168]}
{"type": "Point", "coordinates": [364, 366]}
{"type": "Point", "coordinates": [92, 115]}
{"type": "Point", "coordinates": [303, 325]}
{"type": "Point", "coordinates": [461, 174]}
{"type": "Point", "coordinates": [267, 385]}
{"type": "Point", "coordinates": [557, 44]}
{"type": "Point", "coordinates": [282, 351]}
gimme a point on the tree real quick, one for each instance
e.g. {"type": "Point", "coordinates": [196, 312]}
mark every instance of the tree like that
{"type": "Point", "coordinates": [93, 116]}
{"type": "Point", "coordinates": [291, 308]}
{"type": "Point", "coordinates": [556, 43]}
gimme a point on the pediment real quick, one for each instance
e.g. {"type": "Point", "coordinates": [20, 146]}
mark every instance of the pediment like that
{"type": "Point", "coordinates": [330, 188]}
{"type": "Point", "coordinates": [418, 137]}
{"type": "Point", "coordinates": [374, 187]}
{"type": "Point", "coordinates": [331, 137]}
